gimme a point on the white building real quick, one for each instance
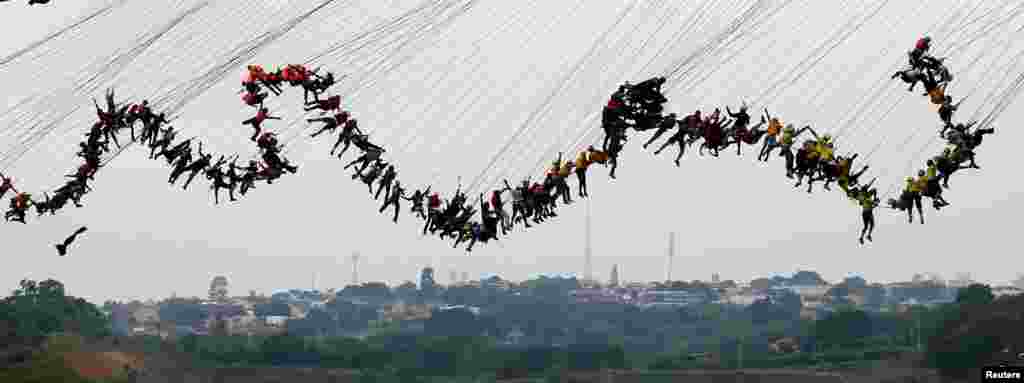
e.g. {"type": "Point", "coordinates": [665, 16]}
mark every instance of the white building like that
{"type": "Point", "coordinates": [276, 320]}
{"type": "Point", "coordinates": [1006, 290]}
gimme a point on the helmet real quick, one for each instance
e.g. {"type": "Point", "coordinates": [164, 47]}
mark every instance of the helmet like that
{"type": "Point", "coordinates": [928, 38]}
{"type": "Point", "coordinates": [920, 173]}
{"type": "Point", "coordinates": [910, 179]}
{"type": "Point", "coordinates": [826, 138]}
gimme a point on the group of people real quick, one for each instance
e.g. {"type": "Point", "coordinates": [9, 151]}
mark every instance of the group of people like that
{"type": "Point", "coordinates": [961, 138]}
{"type": "Point", "coordinates": [640, 107]}
{"type": "Point", "coordinates": [31, 2]}
{"type": "Point", "coordinates": [637, 107]}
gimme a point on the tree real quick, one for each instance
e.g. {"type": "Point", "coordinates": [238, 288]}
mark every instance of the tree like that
{"type": "Point", "coordinates": [454, 322]}
{"type": "Point", "coordinates": [219, 289]}
{"type": "Point", "coordinates": [843, 328]}
{"type": "Point", "coordinates": [975, 294]}
{"type": "Point", "coordinates": [37, 309]}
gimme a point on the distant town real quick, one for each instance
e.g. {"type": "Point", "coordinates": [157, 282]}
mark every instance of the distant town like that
{"type": "Point", "coordinates": [408, 305]}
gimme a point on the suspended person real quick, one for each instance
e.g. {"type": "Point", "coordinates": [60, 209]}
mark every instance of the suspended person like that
{"type": "Point", "coordinates": [375, 170]}
{"type": "Point", "coordinates": [393, 197]}
{"type": "Point", "coordinates": [62, 248]}
{"type": "Point", "coordinates": [250, 175]}
{"type": "Point", "coordinates": [417, 201]}
{"type": "Point", "coordinates": [911, 76]}
{"type": "Point", "coordinates": [218, 179]}
{"type": "Point", "coordinates": [913, 190]}
{"type": "Point", "coordinates": [614, 148]}
{"type": "Point", "coordinates": [6, 184]}
{"type": "Point", "coordinates": [364, 160]}
{"type": "Point", "coordinates": [499, 208]}
{"type": "Point", "coordinates": [582, 163]}
{"type": "Point", "coordinates": [349, 131]}
{"type": "Point", "coordinates": [19, 205]}
{"type": "Point", "coordinates": [868, 201]}
{"type": "Point", "coordinates": [257, 122]}
{"type": "Point", "coordinates": [254, 99]}
{"type": "Point", "coordinates": [320, 85]}
{"type": "Point", "coordinates": [330, 123]}
{"type": "Point", "coordinates": [946, 111]}
{"type": "Point", "coordinates": [331, 104]}
{"type": "Point", "coordinates": [267, 142]}
{"type": "Point", "coordinates": [433, 212]}
{"type": "Point", "coordinates": [739, 124]}
{"type": "Point", "coordinates": [667, 123]}
{"type": "Point", "coordinates": [166, 138]}
{"type": "Point", "coordinates": [385, 182]}
{"type": "Point", "coordinates": [932, 188]}
{"type": "Point", "coordinates": [921, 48]}
{"type": "Point", "coordinates": [197, 166]}
{"type": "Point", "coordinates": [180, 165]}
{"type": "Point", "coordinates": [150, 129]}
{"type": "Point", "coordinates": [177, 151]}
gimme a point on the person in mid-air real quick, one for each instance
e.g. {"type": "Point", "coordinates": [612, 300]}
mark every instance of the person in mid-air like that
{"type": "Point", "coordinates": [197, 166]}
{"type": "Point", "coordinates": [330, 123]}
{"type": "Point", "coordinates": [394, 196]}
{"type": "Point", "coordinates": [62, 248]}
{"type": "Point", "coordinates": [868, 201]}
{"type": "Point", "coordinates": [6, 184]}
{"type": "Point", "coordinates": [331, 104]}
{"type": "Point", "coordinates": [257, 122]}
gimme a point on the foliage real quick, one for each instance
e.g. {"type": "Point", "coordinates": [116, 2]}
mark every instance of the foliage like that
{"type": "Point", "coordinates": [975, 294]}
{"type": "Point", "coordinates": [38, 309]}
{"type": "Point", "coordinates": [972, 334]}
{"type": "Point", "coordinates": [843, 328]}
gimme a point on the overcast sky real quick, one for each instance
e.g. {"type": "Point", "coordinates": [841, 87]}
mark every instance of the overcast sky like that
{"type": "Point", "coordinates": [453, 99]}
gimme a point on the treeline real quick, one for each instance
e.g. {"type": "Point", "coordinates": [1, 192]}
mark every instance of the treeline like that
{"type": "Point", "coordinates": [404, 355]}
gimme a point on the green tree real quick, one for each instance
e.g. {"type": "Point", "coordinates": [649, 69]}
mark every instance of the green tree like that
{"type": "Point", "coordinates": [975, 294]}
{"type": "Point", "coordinates": [37, 309]}
{"type": "Point", "coordinates": [843, 328]}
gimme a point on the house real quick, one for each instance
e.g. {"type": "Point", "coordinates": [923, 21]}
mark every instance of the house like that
{"type": "Point", "coordinates": [676, 297]}
{"type": "Point", "coordinates": [582, 296]}
{"type": "Point", "coordinates": [1006, 290]}
{"type": "Point", "coordinates": [514, 337]}
{"type": "Point", "coordinates": [473, 309]}
{"type": "Point", "coordinates": [744, 298]}
{"type": "Point", "coordinates": [146, 314]}
{"type": "Point", "coordinates": [297, 311]}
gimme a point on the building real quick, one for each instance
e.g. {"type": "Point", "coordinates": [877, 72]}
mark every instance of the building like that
{"type": "Point", "coordinates": [1006, 290]}
{"type": "Point", "coordinates": [680, 297]}
{"type": "Point", "coordinates": [146, 314]}
{"type": "Point", "coordinates": [275, 320]}
{"type": "Point", "coordinates": [592, 295]}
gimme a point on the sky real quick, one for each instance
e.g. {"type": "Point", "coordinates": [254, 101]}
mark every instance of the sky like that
{"type": "Point", "coordinates": [446, 99]}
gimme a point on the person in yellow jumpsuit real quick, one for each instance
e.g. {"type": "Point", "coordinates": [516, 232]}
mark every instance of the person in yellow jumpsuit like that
{"type": "Point", "coordinates": [868, 201]}
{"type": "Point", "coordinates": [913, 188]}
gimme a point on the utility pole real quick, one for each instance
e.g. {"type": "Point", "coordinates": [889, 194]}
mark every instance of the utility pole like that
{"type": "Point", "coordinates": [671, 254]}
{"type": "Point", "coordinates": [355, 268]}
